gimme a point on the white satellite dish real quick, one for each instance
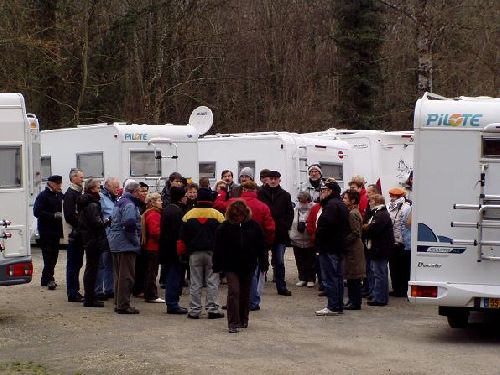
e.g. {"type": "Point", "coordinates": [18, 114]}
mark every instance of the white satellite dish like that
{"type": "Point", "coordinates": [201, 119]}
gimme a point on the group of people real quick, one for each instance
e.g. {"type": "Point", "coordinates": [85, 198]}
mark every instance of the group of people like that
{"type": "Point", "coordinates": [127, 234]}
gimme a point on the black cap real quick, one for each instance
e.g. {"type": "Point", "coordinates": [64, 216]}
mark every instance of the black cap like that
{"type": "Point", "coordinates": [333, 186]}
{"type": "Point", "coordinates": [55, 178]}
{"type": "Point", "coordinates": [143, 185]}
{"type": "Point", "coordinates": [274, 174]}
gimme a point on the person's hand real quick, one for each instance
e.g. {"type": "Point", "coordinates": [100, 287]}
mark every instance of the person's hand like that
{"type": "Point", "coordinates": [107, 222]}
{"type": "Point", "coordinates": [58, 216]}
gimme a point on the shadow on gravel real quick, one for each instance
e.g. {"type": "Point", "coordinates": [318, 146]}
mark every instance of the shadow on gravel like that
{"type": "Point", "coordinates": [482, 329]}
{"type": "Point", "coordinates": [25, 368]}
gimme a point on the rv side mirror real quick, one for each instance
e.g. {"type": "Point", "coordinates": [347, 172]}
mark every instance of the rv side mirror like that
{"type": "Point", "coordinates": [157, 154]}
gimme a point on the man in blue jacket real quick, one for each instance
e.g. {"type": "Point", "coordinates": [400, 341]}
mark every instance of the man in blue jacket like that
{"type": "Point", "coordinates": [125, 245]}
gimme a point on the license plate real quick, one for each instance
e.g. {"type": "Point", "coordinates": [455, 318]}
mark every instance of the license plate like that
{"type": "Point", "coordinates": [489, 303]}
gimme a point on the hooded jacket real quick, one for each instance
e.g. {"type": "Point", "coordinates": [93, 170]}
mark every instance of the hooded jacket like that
{"type": "Point", "coordinates": [379, 235]}
{"type": "Point", "coordinates": [124, 234]}
{"type": "Point", "coordinates": [301, 213]}
{"type": "Point", "coordinates": [91, 225]}
{"type": "Point", "coordinates": [239, 246]}
{"type": "Point", "coordinates": [280, 204]}
{"type": "Point", "coordinates": [332, 227]}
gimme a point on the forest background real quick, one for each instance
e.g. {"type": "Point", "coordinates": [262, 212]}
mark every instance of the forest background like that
{"type": "Point", "coordinates": [260, 65]}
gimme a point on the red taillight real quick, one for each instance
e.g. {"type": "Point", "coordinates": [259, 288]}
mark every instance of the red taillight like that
{"type": "Point", "coordinates": [20, 269]}
{"type": "Point", "coordinates": [424, 291]}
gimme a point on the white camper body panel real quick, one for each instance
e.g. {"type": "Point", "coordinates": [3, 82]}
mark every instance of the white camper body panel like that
{"type": "Point", "coordinates": [288, 153]}
{"type": "Point", "coordinates": [122, 151]}
{"type": "Point", "coordinates": [378, 156]}
{"type": "Point", "coordinates": [457, 162]}
{"type": "Point", "coordinates": [16, 185]}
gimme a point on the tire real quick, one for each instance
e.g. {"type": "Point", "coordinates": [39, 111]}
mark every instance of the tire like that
{"type": "Point", "coordinates": [458, 319]}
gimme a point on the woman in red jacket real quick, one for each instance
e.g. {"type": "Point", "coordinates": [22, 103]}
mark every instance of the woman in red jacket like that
{"type": "Point", "coordinates": [150, 224]}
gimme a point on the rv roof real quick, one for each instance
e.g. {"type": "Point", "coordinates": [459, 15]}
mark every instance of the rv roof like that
{"type": "Point", "coordinates": [10, 99]}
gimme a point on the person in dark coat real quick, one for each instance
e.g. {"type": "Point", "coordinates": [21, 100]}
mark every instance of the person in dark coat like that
{"type": "Point", "coordinates": [280, 204]}
{"type": "Point", "coordinates": [171, 223]}
{"type": "Point", "coordinates": [239, 247]}
{"type": "Point", "coordinates": [91, 226]}
{"type": "Point", "coordinates": [331, 233]}
{"type": "Point", "coordinates": [48, 211]}
{"type": "Point", "coordinates": [379, 237]}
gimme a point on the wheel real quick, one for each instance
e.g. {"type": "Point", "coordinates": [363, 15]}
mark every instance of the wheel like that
{"type": "Point", "coordinates": [458, 319]}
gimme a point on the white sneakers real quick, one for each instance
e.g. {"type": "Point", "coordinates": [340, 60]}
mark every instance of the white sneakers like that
{"type": "Point", "coordinates": [301, 283]}
{"type": "Point", "coordinates": [326, 312]}
{"type": "Point", "coordinates": [158, 300]}
{"type": "Point", "coordinates": [310, 284]}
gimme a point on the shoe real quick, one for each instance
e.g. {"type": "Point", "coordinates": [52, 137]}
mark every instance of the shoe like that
{"type": "Point", "coordinates": [255, 308]}
{"type": "Point", "coordinates": [76, 298]}
{"type": "Point", "coordinates": [101, 297]}
{"type": "Point", "coordinates": [374, 303]}
{"type": "Point", "coordinates": [51, 285]}
{"type": "Point", "coordinates": [215, 315]}
{"type": "Point", "coordinates": [177, 311]}
{"type": "Point", "coordinates": [224, 307]}
{"type": "Point", "coordinates": [232, 330]}
{"type": "Point", "coordinates": [190, 316]}
{"type": "Point", "coordinates": [43, 284]}
{"type": "Point", "coordinates": [110, 295]}
{"type": "Point", "coordinates": [301, 283]}
{"type": "Point", "coordinates": [157, 300]}
{"type": "Point", "coordinates": [327, 312]}
{"type": "Point", "coordinates": [350, 306]}
{"type": "Point", "coordinates": [93, 304]}
{"type": "Point", "coordinates": [310, 284]}
{"type": "Point", "coordinates": [369, 298]}
{"type": "Point", "coordinates": [130, 310]}
{"type": "Point", "coordinates": [285, 292]}
{"type": "Point", "coordinates": [243, 325]}
{"type": "Point", "coordinates": [322, 294]}
{"type": "Point", "coordinates": [321, 287]}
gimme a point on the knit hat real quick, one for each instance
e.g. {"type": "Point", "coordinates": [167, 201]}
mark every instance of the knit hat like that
{"type": "Point", "coordinates": [247, 171]}
{"type": "Point", "coordinates": [176, 193]}
{"type": "Point", "coordinates": [205, 195]}
{"type": "Point", "coordinates": [314, 167]}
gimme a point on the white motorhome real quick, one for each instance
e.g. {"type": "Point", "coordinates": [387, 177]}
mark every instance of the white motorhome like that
{"type": "Point", "coordinates": [289, 153]}
{"type": "Point", "coordinates": [147, 153]}
{"type": "Point", "coordinates": [455, 260]}
{"type": "Point", "coordinates": [383, 158]}
{"type": "Point", "coordinates": [19, 185]}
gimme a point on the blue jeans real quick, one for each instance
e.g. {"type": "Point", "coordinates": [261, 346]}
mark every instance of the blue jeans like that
{"type": "Point", "coordinates": [380, 285]}
{"type": "Point", "coordinates": [173, 286]}
{"type": "Point", "coordinates": [278, 253]}
{"type": "Point", "coordinates": [104, 283]}
{"type": "Point", "coordinates": [256, 287]}
{"type": "Point", "coordinates": [74, 263]}
{"type": "Point", "coordinates": [368, 281]}
{"type": "Point", "coordinates": [333, 281]}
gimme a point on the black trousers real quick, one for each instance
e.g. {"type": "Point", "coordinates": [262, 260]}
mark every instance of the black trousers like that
{"type": "Point", "coordinates": [305, 259]}
{"type": "Point", "coordinates": [399, 265]}
{"type": "Point", "coordinates": [92, 257]}
{"type": "Point", "coordinates": [238, 298]}
{"type": "Point", "coordinates": [150, 289]}
{"type": "Point", "coordinates": [140, 273]}
{"type": "Point", "coordinates": [354, 292]}
{"type": "Point", "coordinates": [50, 253]}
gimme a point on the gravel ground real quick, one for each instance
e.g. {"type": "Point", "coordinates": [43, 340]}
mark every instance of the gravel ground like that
{"type": "Point", "coordinates": [41, 333]}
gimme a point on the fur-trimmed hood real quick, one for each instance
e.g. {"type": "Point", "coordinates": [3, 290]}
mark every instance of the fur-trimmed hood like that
{"type": "Point", "coordinates": [236, 207]}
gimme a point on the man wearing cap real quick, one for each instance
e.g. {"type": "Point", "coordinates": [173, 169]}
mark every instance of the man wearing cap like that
{"type": "Point", "coordinates": [314, 184]}
{"type": "Point", "coordinates": [280, 204]}
{"type": "Point", "coordinates": [331, 232]}
{"type": "Point", "coordinates": [399, 262]}
{"type": "Point", "coordinates": [264, 177]}
{"type": "Point", "coordinates": [48, 211]}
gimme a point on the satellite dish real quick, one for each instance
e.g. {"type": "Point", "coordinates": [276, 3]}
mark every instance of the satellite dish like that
{"type": "Point", "coordinates": [201, 119]}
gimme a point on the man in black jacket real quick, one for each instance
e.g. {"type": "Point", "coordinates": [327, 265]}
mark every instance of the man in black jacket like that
{"type": "Point", "coordinates": [331, 232]}
{"type": "Point", "coordinates": [75, 249]}
{"type": "Point", "coordinates": [171, 223]}
{"type": "Point", "coordinates": [280, 204]}
{"type": "Point", "coordinates": [47, 209]}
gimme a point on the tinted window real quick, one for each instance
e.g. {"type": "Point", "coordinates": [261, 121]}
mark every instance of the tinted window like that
{"type": "Point", "coordinates": [144, 164]}
{"type": "Point", "coordinates": [491, 147]}
{"type": "Point", "coordinates": [10, 167]}
{"type": "Point", "coordinates": [332, 170]}
{"type": "Point", "coordinates": [46, 162]}
{"type": "Point", "coordinates": [92, 164]}
{"type": "Point", "coordinates": [207, 170]}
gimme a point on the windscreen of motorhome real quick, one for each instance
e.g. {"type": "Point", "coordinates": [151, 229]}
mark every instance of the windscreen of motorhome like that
{"type": "Point", "coordinates": [10, 167]}
{"type": "Point", "coordinates": [491, 147]}
{"type": "Point", "coordinates": [332, 170]}
{"type": "Point", "coordinates": [144, 164]}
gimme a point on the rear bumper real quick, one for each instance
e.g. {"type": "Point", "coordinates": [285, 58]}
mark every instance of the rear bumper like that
{"type": "Point", "coordinates": [6, 280]}
{"type": "Point", "coordinates": [454, 295]}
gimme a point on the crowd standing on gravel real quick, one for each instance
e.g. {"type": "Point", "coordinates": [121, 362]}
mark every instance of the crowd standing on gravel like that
{"type": "Point", "coordinates": [195, 236]}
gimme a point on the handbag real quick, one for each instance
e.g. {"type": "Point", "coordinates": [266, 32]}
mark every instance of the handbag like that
{"type": "Point", "coordinates": [301, 225]}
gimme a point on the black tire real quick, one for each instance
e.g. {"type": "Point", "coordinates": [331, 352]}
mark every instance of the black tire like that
{"type": "Point", "coordinates": [458, 319]}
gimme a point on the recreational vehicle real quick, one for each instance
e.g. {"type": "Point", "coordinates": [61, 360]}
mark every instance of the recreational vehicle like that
{"type": "Point", "coordinates": [19, 184]}
{"type": "Point", "coordinates": [455, 259]}
{"type": "Point", "coordinates": [289, 153]}
{"type": "Point", "coordinates": [147, 153]}
{"type": "Point", "coordinates": [383, 158]}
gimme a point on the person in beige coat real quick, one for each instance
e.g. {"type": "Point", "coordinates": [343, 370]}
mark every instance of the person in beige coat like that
{"type": "Point", "coordinates": [354, 262]}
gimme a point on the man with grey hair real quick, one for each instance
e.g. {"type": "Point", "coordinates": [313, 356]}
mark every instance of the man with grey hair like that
{"type": "Point", "coordinates": [104, 283]}
{"type": "Point", "coordinates": [124, 243]}
{"type": "Point", "coordinates": [75, 249]}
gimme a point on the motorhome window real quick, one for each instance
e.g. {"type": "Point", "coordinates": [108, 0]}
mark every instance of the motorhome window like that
{"type": "Point", "coordinates": [92, 164]}
{"type": "Point", "coordinates": [332, 170]}
{"type": "Point", "coordinates": [245, 164]}
{"type": "Point", "coordinates": [46, 163]}
{"type": "Point", "coordinates": [144, 164]}
{"type": "Point", "coordinates": [491, 147]}
{"type": "Point", "coordinates": [207, 170]}
{"type": "Point", "coordinates": [10, 167]}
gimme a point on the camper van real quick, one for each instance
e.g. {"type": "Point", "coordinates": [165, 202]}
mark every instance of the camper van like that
{"type": "Point", "coordinates": [19, 185]}
{"type": "Point", "coordinates": [455, 259]}
{"type": "Point", "coordinates": [289, 153]}
{"type": "Point", "coordinates": [383, 158]}
{"type": "Point", "coordinates": [147, 153]}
